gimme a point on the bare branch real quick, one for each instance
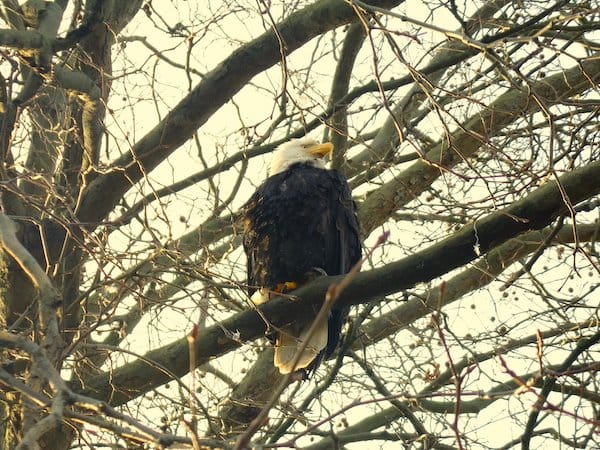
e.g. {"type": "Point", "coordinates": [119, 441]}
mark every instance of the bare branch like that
{"type": "Point", "coordinates": [533, 212]}
{"type": "Point", "coordinates": [215, 89]}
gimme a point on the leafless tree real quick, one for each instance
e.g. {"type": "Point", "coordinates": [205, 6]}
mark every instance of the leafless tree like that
{"type": "Point", "coordinates": [132, 132]}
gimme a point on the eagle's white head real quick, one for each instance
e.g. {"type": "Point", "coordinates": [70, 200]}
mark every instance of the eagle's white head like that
{"type": "Point", "coordinates": [305, 150]}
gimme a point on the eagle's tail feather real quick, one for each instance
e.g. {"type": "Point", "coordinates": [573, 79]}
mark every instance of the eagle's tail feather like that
{"type": "Point", "coordinates": [287, 345]}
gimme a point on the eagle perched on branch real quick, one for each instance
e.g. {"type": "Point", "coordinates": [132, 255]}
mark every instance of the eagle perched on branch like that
{"type": "Point", "coordinates": [301, 221]}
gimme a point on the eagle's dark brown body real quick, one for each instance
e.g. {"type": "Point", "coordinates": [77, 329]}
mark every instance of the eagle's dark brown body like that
{"type": "Point", "coordinates": [298, 220]}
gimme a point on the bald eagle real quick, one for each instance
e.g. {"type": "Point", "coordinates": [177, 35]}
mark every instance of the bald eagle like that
{"type": "Point", "coordinates": [300, 221]}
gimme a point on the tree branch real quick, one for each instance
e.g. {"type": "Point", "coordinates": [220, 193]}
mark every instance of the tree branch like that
{"type": "Point", "coordinates": [479, 275]}
{"type": "Point", "coordinates": [49, 301]}
{"type": "Point", "coordinates": [533, 212]}
{"type": "Point", "coordinates": [355, 36]}
{"type": "Point", "coordinates": [466, 141]}
{"type": "Point", "coordinates": [549, 382]}
{"type": "Point", "coordinates": [423, 398]}
{"type": "Point", "coordinates": [206, 98]}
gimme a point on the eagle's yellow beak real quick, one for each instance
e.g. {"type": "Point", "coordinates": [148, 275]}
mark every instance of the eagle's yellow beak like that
{"type": "Point", "coordinates": [321, 150]}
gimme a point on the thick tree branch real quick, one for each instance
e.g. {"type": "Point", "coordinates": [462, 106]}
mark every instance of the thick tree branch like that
{"type": "Point", "coordinates": [385, 142]}
{"type": "Point", "coordinates": [49, 300]}
{"type": "Point", "coordinates": [355, 36]}
{"type": "Point", "coordinates": [23, 40]}
{"type": "Point", "coordinates": [476, 131]}
{"type": "Point", "coordinates": [479, 275]}
{"type": "Point", "coordinates": [200, 104]}
{"type": "Point", "coordinates": [422, 399]}
{"type": "Point", "coordinates": [533, 212]}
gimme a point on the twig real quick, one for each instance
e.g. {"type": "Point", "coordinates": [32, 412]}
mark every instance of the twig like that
{"type": "Point", "coordinates": [549, 382]}
{"type": "Point", "coordinates": [65, 396]}
{"type": "Point", "coordinates": [192, 424]}
{"type": "Point", "coordinates": [457, 378]}
{"type": "Point", "coordinates": [404, 409]}
{"type": "Point", "coordinates": [536, 255]}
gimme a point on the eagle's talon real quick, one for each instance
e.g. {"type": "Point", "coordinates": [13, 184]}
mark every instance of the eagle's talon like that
{"type": "Point", "coordinates": [313, 273]}
{"type": "Point", "coordinates": [270, 334]}
{"type": "Point", "coordinates": [299, 375]}
{"type": "Point", "coordinates": [288, 286]}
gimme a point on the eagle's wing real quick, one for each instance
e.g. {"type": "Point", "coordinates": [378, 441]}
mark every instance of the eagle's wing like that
{"type": "Point", "coordinates": [296, 221]}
